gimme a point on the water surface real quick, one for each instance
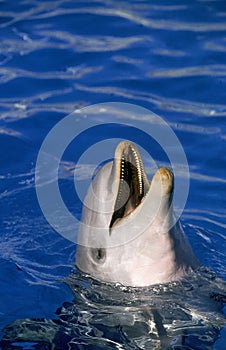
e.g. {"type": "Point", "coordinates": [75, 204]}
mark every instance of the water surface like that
{"type": "Point", "coordinates": [56, 56]}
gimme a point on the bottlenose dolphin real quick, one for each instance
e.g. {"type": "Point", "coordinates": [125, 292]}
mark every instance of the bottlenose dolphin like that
{"type": "Point", "coordinates": [128, 233]}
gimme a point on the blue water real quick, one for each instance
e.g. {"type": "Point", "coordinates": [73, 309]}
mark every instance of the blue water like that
{"type": "Point", "coordinates": [56, 56]}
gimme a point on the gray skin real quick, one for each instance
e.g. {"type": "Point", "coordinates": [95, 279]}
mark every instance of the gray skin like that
{"type": "Point", "coordinates": [128, 233]}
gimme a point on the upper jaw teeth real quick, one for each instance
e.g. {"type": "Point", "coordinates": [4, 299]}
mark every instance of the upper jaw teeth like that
{"type": "Point", "coordinates": [139, 169]}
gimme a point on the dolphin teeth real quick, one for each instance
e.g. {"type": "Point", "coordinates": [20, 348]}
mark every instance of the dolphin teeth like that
{"type": "Point", "coordinates": [133, 183]}
{"type": "Point", "coordinates": [139, 170]}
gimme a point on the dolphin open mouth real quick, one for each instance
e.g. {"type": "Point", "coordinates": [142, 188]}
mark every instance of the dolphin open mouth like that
{"type": "Point", "coordinates": [133, 183]}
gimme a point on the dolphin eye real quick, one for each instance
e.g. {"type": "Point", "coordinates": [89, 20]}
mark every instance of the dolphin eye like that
{"type": "Point", "coordinates": [98, 254]}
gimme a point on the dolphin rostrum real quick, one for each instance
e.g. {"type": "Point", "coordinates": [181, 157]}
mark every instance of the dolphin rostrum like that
{"type": "Point", "coordinates": [128, 233]}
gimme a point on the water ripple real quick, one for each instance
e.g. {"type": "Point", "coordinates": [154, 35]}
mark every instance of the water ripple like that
{"type": "Point", "coordinates": [134, 17]}
{"type": "Point", "coordinates": [168, 104]}
{"type": "Point", "coordinates": [102, 43]}
{"type": "Point", "coordinates": [211, 70]}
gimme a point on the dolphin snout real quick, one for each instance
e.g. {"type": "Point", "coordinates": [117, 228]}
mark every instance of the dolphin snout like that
{"type": "Point", "coordinates": [164, 177]}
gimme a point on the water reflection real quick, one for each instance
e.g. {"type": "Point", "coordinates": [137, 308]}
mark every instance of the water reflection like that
{"type": "Point", "coordinates": [180, 315]}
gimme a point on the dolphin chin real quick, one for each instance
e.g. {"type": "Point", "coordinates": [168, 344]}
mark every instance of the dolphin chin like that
{"type": "Point", "coordinates": [128, 233]}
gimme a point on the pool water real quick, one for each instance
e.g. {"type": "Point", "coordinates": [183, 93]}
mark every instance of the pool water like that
{"type": "Point", "coordinates": [58, 56]}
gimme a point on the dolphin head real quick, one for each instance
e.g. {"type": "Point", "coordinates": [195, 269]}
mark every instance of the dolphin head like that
{"type": "Point", "coordinates": [128, 233]}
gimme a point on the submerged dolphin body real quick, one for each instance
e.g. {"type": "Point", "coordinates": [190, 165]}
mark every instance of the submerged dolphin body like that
{"type": "Point", "coordinates": [128, 233]}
